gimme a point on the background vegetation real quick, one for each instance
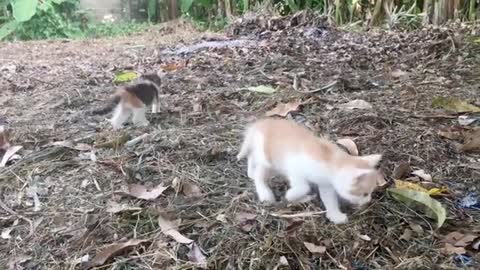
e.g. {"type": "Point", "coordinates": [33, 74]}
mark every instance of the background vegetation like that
{"type": "Point", "coordinates": [43, 19]}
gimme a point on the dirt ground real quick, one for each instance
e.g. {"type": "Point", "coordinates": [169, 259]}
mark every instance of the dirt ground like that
{"type": "Point", "coordinates": [48, 87]}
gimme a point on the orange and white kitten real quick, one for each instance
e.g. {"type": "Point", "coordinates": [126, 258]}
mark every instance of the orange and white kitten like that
{"type": "Point", "coordinates": [134, 99]}
{"type": "Point", "coordinates": [283, 147]}
{"type": "Point", "coordinates": [4, 141]}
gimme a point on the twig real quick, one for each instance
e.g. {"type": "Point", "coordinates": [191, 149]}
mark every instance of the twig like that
{"type": "Point", "coordinates": [304, 214]}
{"type": "Point", "coordinates": [13, 213]}
{"type": "Point", "coordinates": [323, 88]}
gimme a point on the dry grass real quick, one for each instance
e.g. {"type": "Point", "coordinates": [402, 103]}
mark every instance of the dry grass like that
{"type": "Point", "coordinates": [47, 88]}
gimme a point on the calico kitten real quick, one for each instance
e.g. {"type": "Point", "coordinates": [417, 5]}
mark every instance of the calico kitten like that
{"type": "Point", "coordinates": [134, 99]}
{"type": "Point", "coordinates": [4, 141]}
{"type": "Point", "coordinates": [283, 147]}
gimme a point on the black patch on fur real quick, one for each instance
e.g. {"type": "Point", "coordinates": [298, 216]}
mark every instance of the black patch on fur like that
{"type": "Point", "coordinates": [109, 107]}
{"type": "Point", "coordinates": [144, 91]}
{"type": "Point", "coordinates": [153, 77]}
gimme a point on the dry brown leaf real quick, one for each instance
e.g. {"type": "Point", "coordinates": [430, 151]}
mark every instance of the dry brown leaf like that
{"type": "Point", "coordinates": [170, 229]}
{"type": "Point", "coordinates": [422, 174]}
{"type": "Point", "coordinates": [416, 228]}
{"type": "Point", "coordinates": [407, 235]}
{"type": "Point", "coordinates": [141, 192]}
{"type": "Point", "coordinates": [350, 145]}
{"type": "Point", "coordinates": [282, 109]}
{"type": "Point", "coordinates": [452, 133]}
{"type": "Point", "coordinates": [459, 239]}
{"type": "Point", "coordinates": [190, 189]}
{"type": "Point", "coordinates": [244, 220]}
{"type": "Point", "coordinates": [113, 250]}
{"type": "Point", "coordinates": [114, 207]}
{"type": "Point", "coordinates": [196, 256]}
{"type": "Point", "coordinates": [471, 141]}
{"type": "Point", "coordinates": [315, 249]}
{"type": "Point", "coordinates": [222, 218]}
{"type": "Point", "coordinates": [449, 249]}
{"type": "Point", "coordinates": [401, 170]}
{"type": "Point", "coordinates": [9, 154]}
{"type": "Point", "coordinates": [355, 104]}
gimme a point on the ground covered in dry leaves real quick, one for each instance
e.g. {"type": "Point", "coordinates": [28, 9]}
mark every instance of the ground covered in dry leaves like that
{"type": "Point", "coordinates": [82, 195]}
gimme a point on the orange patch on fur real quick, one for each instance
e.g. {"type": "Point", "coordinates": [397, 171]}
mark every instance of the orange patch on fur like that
{"type": "Point", "coordinates": [129, 99]}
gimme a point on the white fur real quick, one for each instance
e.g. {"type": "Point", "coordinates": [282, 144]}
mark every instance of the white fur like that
{"type": "Point", "coordinates": [301, 170]}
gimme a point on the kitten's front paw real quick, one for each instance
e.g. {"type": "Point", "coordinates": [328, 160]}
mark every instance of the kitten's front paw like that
{"type": "Point", "coordinates": [337, 218]}
{"type": "Point", "coordinates": [266, 197]}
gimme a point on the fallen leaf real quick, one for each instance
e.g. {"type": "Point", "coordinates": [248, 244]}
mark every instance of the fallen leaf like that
{"type": "Point", "coordinates": [437, 191]}
{"type": "Point", "coordinates": [471, 141]}
{"type": "Point", "coordinates": [416, 228]}
{"type": "Point", "coordinates": [430, 206]}
{"type": "Point", "coordinates": [125, 76]}
{"type": "Point", "coordinates": [350, 145]}
{"type": "Point", "coordinates": [471, 200]}
{"type": "Point", "coordinates": [244, 220]}
{"type": "Point", "coordinates": [459, 239]}
{"type": "Point", "coordinates": [172, 66]}
{"type": "Point", "coordinates": [407, 235]}
{"type": "Point", "coordinates": [190, 189]}
{"type": "Point", "coordinates": [141, 192]}
{"type": "Point", "coordinates": [169, 229]}
{"type": "Point", "coordinates": [282, 109]}
{"type": "Point", "coordinates": [242, 216]}
{"type": "Point", "coordinates": [6, 233]}
{"type": "Point", "coordinates": [222, 218]}
{"type": "Point", "coordinates": [196, 256]}
{"type": "Point", "coordinates": [365, 237]}
{"type": "Point", "coordinates": [315, 249]}
{"type": "Point", "coordinates": [355, 104]}
{"type": "Point", "coordinates": [451, 133]}
{"type": "Point", "coordinates": [399, 73]}
{"type": "Point", "coordinates": [113, 250]}
{"type": "Point", "coordinates": [9, 154]}
{"type": "Point", "coordinates": [410, 185]}
{"type": "Point", "coordinates": [114, 207]}
{"type": "Point", "coordinates": [454, 105]}
{"type": "Point", "coordinates": [116, 142]}
{"type": "Point", "coordinates": [422, 174]}
{"type": "Point", "coordinates": [261, 89]}
{"type": "Point", "coordinates": [282, 261]}
{"type": "Point", "coordinates": [401, 170]}
{"type": "Point", "coordinates": [449, 249]}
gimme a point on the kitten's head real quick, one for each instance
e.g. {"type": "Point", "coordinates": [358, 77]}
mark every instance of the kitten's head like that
{"type": "Point", "coordinates": [153, 77]}
{"type": "Point", "coordinates": [356, 182]}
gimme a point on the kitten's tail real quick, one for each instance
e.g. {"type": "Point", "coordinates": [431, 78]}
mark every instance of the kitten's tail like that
{"type": "Point", "coordinates": [246, 145]}
{"type": "Point", "coordinates": [109, 107]}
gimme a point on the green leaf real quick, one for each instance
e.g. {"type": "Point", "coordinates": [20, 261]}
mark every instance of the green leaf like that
{"type": "Point", "coordinates": [454, 105]}
{"type": "Point", "coordinates": [261, 89]}
{"type": "Point", "coordinates": [23, 10]}
{"type": "Point", "coordinates": [431, 207]}
{"type": "Point", "coordinates": [8, 28]}
{"type": "Point", "coordinates": [125, 76]}
{"type": "Point", "coordinates": [186, 5]}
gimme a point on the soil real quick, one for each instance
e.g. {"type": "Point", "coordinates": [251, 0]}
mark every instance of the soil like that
{"type": "Point", "coordinates": [47, 89]}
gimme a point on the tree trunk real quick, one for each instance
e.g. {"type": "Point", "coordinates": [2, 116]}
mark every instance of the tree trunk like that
{"type": "Point", "coordinates": [377, 13]}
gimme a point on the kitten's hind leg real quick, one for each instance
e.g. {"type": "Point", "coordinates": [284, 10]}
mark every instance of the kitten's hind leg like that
{"type": "Point", "coordinates": [155, 106]}
{"type": "Point", "coordinates": [120, 116]}
{"type": "Point", "coordinates": [139, 118]}
{"type": "Point", "coordinates": [260, 176]}
{"type": "Point", "coordinates": [330, 201]}
{"type": "Point", "coordinates": [251, 168]}
{"type": "Point", "coordinates": [299, 189]}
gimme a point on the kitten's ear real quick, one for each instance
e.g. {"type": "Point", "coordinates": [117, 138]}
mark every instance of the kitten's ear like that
{"type": "Point", "coordinates": [372, 159]}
